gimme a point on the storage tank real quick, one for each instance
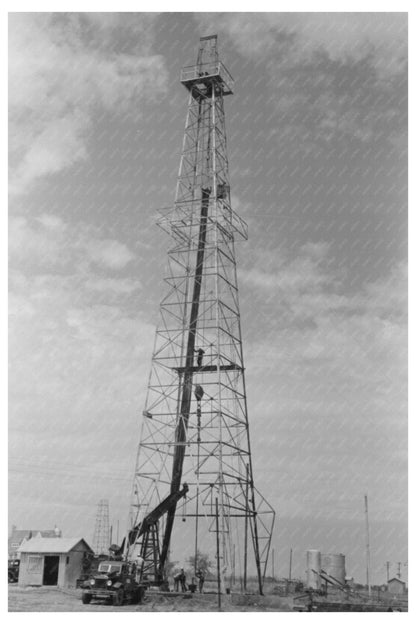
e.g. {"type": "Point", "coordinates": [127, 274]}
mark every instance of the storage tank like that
{"type": "Point", "coordinates": [334, 564]}
{"type": "Point", "coordinates": [313, 562]}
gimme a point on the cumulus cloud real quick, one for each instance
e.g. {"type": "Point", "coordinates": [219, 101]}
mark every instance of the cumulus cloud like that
{"type": "Point", "coordinates": [48, 243]}
{"type": "Point", "coordinates": [295, 37]}
{"type": "Point", "coordinates": [110, 253]}
{"type": "Point", "coordinates": [297, 286]}
{"type": "Point", "coordinates": [331, 75]}
{"type": "Point", "coordinates": [116, 286]}
{"type": "Point", "coordinates": [356, 36]}
{"type": "Point", "coordinates": [51, 222]}
{"type": "Point", "coordinates": [106, 29]}
{"type": "Point", "coordinates": [36, 243]}
{"type": "Point", "coordinates": [75, 361]}
{"type": "Point", "coordinates": [76, 348]}
{"type": "Point", "coordinates": [303, 288]}
{"type": "Point", "coordinates": [357, 341]}
{"type": "Point", "coordinates": [327, 383]}
{"type": "Point", "coordinates": [301, 274]}
{"type": "Point", "coordinates": [61, 79]}
{"type": "Point", "coordinates": [58, 144]}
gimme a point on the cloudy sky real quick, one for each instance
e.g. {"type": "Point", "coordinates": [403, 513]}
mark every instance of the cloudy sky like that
{"type": "Point", "coordinates": [317, 136]}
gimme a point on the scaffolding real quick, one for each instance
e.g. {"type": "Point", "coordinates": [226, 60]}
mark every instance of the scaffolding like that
{"type": "Point", "coordinates": [195, 425]}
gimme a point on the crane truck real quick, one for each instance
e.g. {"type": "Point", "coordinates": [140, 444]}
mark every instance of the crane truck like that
{"type": "Point", "coordinates": [136, 564]}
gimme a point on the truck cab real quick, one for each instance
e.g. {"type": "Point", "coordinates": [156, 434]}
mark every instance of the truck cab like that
{"type": "Point", "coordinates": [114, 580]}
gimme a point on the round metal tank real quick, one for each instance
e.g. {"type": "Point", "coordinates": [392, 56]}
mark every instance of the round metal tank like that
{"type": "Point", "coordinates": [313, 562]}
{"type": "Point", "coordinates": [334, 564]}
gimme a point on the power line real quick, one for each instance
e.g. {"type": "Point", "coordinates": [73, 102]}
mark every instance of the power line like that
{"type": "Point", "coordinates": [65, 470]}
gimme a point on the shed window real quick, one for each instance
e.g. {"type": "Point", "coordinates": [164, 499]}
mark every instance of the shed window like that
{"type": "Point", "coordinates": [67, 560]}
{"type": "Point", "coordinates": [34, 564]}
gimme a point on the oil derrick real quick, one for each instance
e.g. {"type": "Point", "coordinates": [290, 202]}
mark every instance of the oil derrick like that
{"type": "Point", "coordinates": [195, 425]}
{"type": "Point", "coordinates": [101, 539]}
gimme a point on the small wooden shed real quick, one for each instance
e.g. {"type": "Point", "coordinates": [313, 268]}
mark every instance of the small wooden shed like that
{"type": "Point", "coordinates": [396, 586]}
{"type": "Point", "coordinates": [55, 562]}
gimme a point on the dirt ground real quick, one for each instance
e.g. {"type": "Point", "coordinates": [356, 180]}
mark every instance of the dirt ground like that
{"type": "Point", "coordinates": [41, 599]}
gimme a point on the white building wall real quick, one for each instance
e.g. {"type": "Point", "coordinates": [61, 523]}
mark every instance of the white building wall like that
{"type": "Point", "coordinates": [31, 569]}
{"type": "Point", "coordinates": [70, 566]}
{"type": "Point", "coordinates": [62, 570]}
{"type": "Point", "coordinates": [73, 569]}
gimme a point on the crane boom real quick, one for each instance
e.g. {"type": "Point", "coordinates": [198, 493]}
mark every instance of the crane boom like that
{"type": "Point", "coordinates": [182, 424]}
{"type": "Point", "coordinates": [154, 516]}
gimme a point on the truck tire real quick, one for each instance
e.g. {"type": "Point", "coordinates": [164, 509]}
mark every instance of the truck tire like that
{"type": "Point", "coordinates": [138, 595]}
{"type": "Point", "coordinates": [118, 597]}
{"type": "Point", "coordinates": [86, 598]}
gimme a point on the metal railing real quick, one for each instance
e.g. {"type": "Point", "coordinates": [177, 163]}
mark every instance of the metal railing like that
{"type": "Point", "coordinates": [193, 72]}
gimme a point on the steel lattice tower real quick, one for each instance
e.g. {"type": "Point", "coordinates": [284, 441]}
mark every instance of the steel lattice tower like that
{"type": "Point", "coordinates": [101, 540]}
{"type": "Point", "coordinates": [195, 426]}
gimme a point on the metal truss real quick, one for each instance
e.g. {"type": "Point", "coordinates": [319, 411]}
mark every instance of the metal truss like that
{"type": "Point", "coordinates": [195, 425]}
{"type": "Point", "coordinates": [101, 539]}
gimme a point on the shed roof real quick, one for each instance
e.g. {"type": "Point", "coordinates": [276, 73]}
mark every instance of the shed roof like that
{"type": "Point", "coordinates": [396, 580]}
{"type": "Point", "coordinates": [52, 544]}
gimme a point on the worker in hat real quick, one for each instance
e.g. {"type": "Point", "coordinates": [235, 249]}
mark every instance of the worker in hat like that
{"type": "Point", "coordinates": [201, 578]}
{"type": "Point", "coordinates": [200, 355]}
{"type": "Point", "coordinates": [183, 580]}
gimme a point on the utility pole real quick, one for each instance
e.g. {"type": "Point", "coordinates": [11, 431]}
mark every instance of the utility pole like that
{"type": "Point", "coordinates": [399, 565]}
{"type": "Point", "coordinates": [388, 570]}
{"type": "Point", "coordinates": [218, 555]}
{"type": "Point", "coordinates": [233, 567]}
{"type": "Point", "coordinates": [290, 565]}
{"type": "Point", "coordinates": [246, 533]}
{"type": "Point", "coordinates": [367, 539]}
{"type": "Point", "coordinates": [273, 563]}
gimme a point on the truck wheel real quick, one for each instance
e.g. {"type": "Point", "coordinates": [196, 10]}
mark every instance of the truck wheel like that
{"type": "Point", "coordinates": [138, 595]}
{"type": "Point", "coordinates": [86, 598]}
{"type": "Point", "coordinates": [118, 597]}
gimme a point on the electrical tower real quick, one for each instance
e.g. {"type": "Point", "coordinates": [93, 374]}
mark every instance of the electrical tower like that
{"type": "Point", "coordinates": [101, 540]}
{"type": "Point", "coordinates": [195, 426]}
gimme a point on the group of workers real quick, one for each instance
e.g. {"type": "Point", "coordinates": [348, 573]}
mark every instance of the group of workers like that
{"type": "Point", "coordinates": [180, 580]}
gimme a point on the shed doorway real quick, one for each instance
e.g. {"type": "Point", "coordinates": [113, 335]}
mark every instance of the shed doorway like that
{"type": "Point", "coordinates": [50, 570]}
